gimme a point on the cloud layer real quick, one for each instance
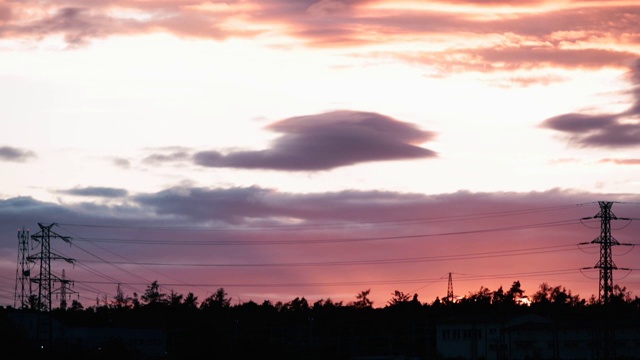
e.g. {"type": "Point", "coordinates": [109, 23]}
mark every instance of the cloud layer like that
{"type": "Point", "coordinates": [521, 34]}
{"type": "Point", "coordinates": [329, 140]}
{"type": "Point", "coordinates": [254, 235]}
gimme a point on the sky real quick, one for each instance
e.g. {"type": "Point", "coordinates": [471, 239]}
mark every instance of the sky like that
{"type": "Point", "coordinates": [320, 148]}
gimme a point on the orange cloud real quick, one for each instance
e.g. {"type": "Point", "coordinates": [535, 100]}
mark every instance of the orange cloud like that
{"type": "Point", "coordinates": [593, 34]}
{"type": "Point", "coordinates": [622, 161]}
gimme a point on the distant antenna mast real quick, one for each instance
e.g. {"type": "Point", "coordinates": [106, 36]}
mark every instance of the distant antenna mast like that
{"type": "Point", "coordinates": [23, 272]}
{"type": "Point", "coordinates": [450, 290]}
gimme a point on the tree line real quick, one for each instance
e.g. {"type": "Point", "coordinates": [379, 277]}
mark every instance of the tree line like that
{"type": "Point", "coordinates": [321, 329]}
{"type": "Point", "coordinates": [515, 295]}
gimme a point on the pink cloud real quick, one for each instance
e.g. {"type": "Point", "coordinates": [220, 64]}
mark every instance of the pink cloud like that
{"type": "Point", "coordinates": [622, 161]}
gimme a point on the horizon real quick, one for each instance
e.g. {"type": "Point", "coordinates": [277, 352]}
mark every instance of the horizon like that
{"type": "Point", "coordinates": [319, 148]}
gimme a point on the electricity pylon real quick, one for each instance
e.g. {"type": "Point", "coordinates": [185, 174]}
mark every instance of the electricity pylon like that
{"type": "Point", "coordinates": [64, 290]}
{"type": "Point", "coordinates": [45, 278]}
{"type": "Point", "coordinates": [23, 272]}
{"type": "Point", "coordinates": [606, 241]}
{"type": "Point", "coordinates": [450, 290]}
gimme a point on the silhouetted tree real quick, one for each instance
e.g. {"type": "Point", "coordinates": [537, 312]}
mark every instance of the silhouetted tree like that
{"type": "Point", "coordinates": [498, 296]}
{"type": "Point", "coordinates": [135, 301]}
{"type": "Point", "coordinates": [120, 300]}
{"type": "Point", "coordinates": [514, 293]}
{"type": "Point", "coordinates": [482, 296]}
{"type": "Point", "coordinates": [556, 295]}
{"type": "Point", "coordinates": [175, 299]}
{"type": "Point", "coordinates": [34, 302]}
{"type": "Point", "coordinates": [561, 296]}
{"type": "Point", "coordinates": [191, 301]}
{"type": "Point", "coordinates": [153, 295]}
{"type": "Point", "coordinates": [297, 304]}
{"type": "Point", "coordinates": [217, 300]}
{"type": "Point", "coordinates": [76, 306]}
{"type": "Point", "coordinates": [398, 298]}
{"type": "Point", "coordinates": [543, 295]}
{"type": "Point", "coordinates": [620, 294]}
{"type": "Point", "coordinates": [318, 304]}
{"type": "Point", "coordinates": [278, 305]}
{"type": "Point", "coordinates": [326, 304]}
{"type": "Point", "coordinates": [362, 300]}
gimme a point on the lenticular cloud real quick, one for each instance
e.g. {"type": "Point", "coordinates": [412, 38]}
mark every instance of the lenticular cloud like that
{"type": "Point", "coordinates": [329, 140]}
{"type": "Point", "coordinates": [609, 130]}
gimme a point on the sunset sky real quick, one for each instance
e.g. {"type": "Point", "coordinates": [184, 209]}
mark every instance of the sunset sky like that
{"type": "Point", "coordinates": [305, 148]}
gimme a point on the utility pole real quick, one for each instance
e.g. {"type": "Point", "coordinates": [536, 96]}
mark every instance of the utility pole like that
{"type": "Point", "coordinates": [23, 272]}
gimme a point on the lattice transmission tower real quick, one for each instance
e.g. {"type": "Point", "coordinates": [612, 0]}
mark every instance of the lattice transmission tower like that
{"type": "Point", "coordinates": [45, 279]}
{"type": "Point", "coordinates": [606, 241]}
{"type": "Point", "coordinates": [64, 290]}
{"type": "Point", "coordinates": [450, 290]}
{"type": "Point", "coordinates": [23, 272]}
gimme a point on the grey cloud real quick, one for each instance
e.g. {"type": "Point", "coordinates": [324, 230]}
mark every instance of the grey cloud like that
{"type": "Point", "coordinates": [170, 156]}
{"type": "Point", "coordinates": [77, 24]}
{"type": "Point", "coordinates": [231, 205]}
{"type": "Point", "coordinates": [8, 153]}
{"type": "Point", "coordinates": [580, 123]}
{"type": "Point", "coordinates": [24, 211]}
{"type": "Point", "coordinates": [121, 162]}
{"type": "Point", "coordinates": [605, 131]}
{"type": "Point", "coordinates": [329, 140]}
{"type": "Point", "coordinates": [105, 192]}
{"type": "Point", "coordinates": [242, 205]}
{"type": "Point", "coordinates": [613, 130]}
{"type": "Point", "coordinates": [189, 206]}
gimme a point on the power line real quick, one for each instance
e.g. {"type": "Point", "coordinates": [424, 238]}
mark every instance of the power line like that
{"type": "Point", "coordinates": [324, 241]}
{"type": "Point", "coordinates": [314, 226]}
{"type": "Point", "coordinates": [368, 282]}
{"type": "Point", "coordinates": [100, 274]}
{"type": "Point", "coordinates": [468, 256]}
{"type": "Point", "coordinates": [132, 262]}
{"type": "Point", "coordinates": [112, 264]}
